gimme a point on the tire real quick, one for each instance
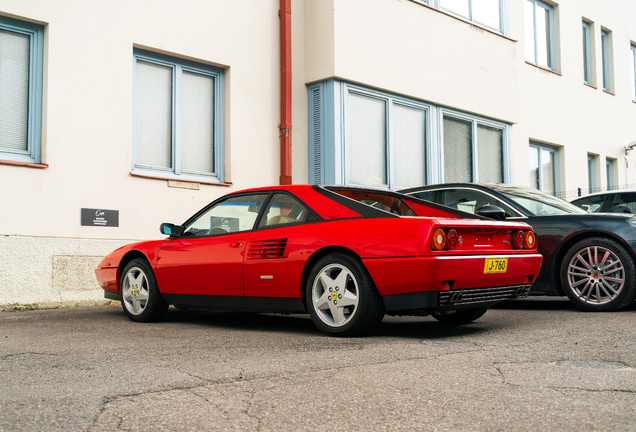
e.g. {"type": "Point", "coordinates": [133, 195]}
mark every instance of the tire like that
{"type": "Point", "coordinates": [462, 316]}
{"type": "Point", "coordinates": [140, 296]}
{"type": "Point", "coordinates": [340, 278]}
{"type": "Point", "coordinates": [598, 275]}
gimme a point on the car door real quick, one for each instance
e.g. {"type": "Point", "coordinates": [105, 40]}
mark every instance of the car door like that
{"type": "Point", "coordinates": [208, 258]}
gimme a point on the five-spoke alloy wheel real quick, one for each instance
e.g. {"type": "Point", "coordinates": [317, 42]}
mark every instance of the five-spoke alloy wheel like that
{"type": "Point", "coordinates": [341, 297]}
{"type": "Point", "coordinates": [597, 274]}
{"type": "Point", "coordinates": [140, 296]}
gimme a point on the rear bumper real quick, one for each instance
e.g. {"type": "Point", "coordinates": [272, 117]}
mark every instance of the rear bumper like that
{"type": "Point", "coordinates": [441, 301]}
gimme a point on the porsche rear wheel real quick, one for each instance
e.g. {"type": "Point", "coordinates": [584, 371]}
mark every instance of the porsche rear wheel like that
{"type": "Point", "coordinates": [341, 297]}
{"type": "Point", "coordinates": [598, 275]}
{"type": "Point", "coordinates": [140, 296]}
{"type": "Point", "coordinates": [462, 316]}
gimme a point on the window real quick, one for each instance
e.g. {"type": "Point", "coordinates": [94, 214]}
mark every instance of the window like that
{"type": "Point", "coordinates": [592, 204]}
{"type": "Point", "coordinates": [484, 12]}
{"type": "Point", "coordinates": [544, 168]}
{"type": "Point", "coordinates": [605, 48]}
{"type": "Point", "coordinates": [366, 137]}
{"type": "Point", "coordinates": [232, 215]}
{"type": "Point", "coordinates": [591, 172]}
{"type": "Point", "coordinates": [624, 203]}
{"type": "Point", "coordinates": [539, 27]}
{"type": "Point", "coordinates": [587, 54]}
{"type": "Point", "coordinates": [633, 67]}
{"type": "Point", "coordinates": [609, 172]}
{"type": "Point", "coordinates": [178, 121]}
{"type": "Point", "coordinates": [470, 200]}
{"type": "Point", "coordinates": [284, 209]}
{"type": "Point", "coordinates": [473, 151]}
{"type": "Point", "coordinates": [21, 48]}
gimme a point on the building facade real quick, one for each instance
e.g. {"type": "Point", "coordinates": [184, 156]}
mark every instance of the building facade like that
{"type": "Point", "coordinates": [118, 116]}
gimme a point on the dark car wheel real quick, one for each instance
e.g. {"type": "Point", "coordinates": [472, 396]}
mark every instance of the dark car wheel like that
{"type": "Point", "coordinates": [140, 296]}
{"type": "Point", "coordinates": [462, 316]}
{"type": "Point", "coordinates": [598, 275]}
{"type": "Point", "coordinates": [341, 297]}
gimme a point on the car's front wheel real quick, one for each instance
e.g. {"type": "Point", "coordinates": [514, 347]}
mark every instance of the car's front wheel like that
{"type": "Point", "coordinates": [341, 297]}
{"type": "Point", "coordinates": [140, 296]}
{"type": "Point", "coordinates": [598, 275]}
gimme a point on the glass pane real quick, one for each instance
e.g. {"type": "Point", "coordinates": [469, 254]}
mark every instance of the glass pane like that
{"type": "Point", "coordinates": [470, 201]}
{"type": "Point", "coordinates": [586, 55]}
{"type": "Point", "coordinates": [409, 146]}
{"type": "Point", "coordinates": [605, 53]}
{"type": "Point", "coordinates": [14, 90]}
{"type": "Point", "coordinates": [460, 7]}
{"type": "Point", "coordinates": [367, 138]}
{"type": "Point", "coordinates": [487, 12]}
{"type": "Point", "coordinates": [543, 37]}
{"type": "Point", "coordinates": [529, 30]}
{"type": "Point", "coordinates": [490, 154]}
{"type": "Point", "coordinates": [534, 168]}
{"type": "Point", "coordinates": [633, 73]}
{"type": "Point", "coordinates": [591, 204]}
{"type": "Point", "coordinates": [284, 209]}
{"type": "Point", "coordinates": [610, 174]}
{"type": "Point", "coordinates": [547, 171]}
{"type": "Point", "coordinates": [624, 203]}
{"type": "Point", "coordinates": [458, 159]}
{"type": "Point", "coordinates": [197, 145]}
{"type": "Point", "coordinates": [590, 173]}
{"type": "Point", "coordinates": [153, 116]}
{"type": "Point", "coordinates": [232, 215]}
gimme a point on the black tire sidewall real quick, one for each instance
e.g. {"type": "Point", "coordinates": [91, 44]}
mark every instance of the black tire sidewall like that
{"type": "Point", "coordinates": [156, 307]}
{"type": "Point", "coordinates": [369, 302]}
{"type": "Point", "coordinates": [627, 294]}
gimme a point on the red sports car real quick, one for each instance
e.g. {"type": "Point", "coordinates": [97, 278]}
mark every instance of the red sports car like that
{"type": "Point", "coordinates": [346, 255]}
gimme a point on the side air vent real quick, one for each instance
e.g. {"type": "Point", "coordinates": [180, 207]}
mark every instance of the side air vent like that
{"type": "Point", "coordinates": [267, 249]}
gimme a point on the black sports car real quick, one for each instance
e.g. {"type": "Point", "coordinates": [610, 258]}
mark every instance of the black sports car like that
{"type": "Point", "coordinates": [618, 201]}
{"type": "Point", "coordinates": [587, 256]}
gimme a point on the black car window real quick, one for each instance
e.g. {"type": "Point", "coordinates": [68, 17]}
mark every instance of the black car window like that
{"type": "Point", "coordinates": [232, 215]}
{"type": "Point", "coordinates": [425, 195]}
{"type": "Point", "coordinates": [469, 200]}
{"type": "Point", "coordinates": [624, 203]}
{"type": "Point", "coordinates": [283, 209]}
{"type": "Point", "coordinates": [591, 204]}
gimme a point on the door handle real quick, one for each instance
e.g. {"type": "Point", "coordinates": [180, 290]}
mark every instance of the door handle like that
{"type": "Point", "coordinates": [236, 244]}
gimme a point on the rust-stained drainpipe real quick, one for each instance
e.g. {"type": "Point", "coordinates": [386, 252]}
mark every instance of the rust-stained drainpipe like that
{"type": "Point", "coordinates": [285, 92]}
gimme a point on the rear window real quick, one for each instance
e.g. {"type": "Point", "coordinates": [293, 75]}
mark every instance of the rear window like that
{"type": "Point", "coordinates": [382, 202]}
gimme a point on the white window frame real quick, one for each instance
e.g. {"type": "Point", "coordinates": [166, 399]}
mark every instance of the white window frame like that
{"type": "Point", "coordinates": [609, 173]}
{"type": "Point", "coordinates": [503, 14]}
{"type": "Point", "coordinates": [605, 56]}
{"type": "Point", "coordinates": [587, 53]}
{"type": "Point", "coordinates": [32, 155]}
{"type": "Point", "coordinates": [633, 64]}
{"type": "Point", "coordinates": [179, 66]}
{"type": "Point", "coordinates": [591, 172]}
{"type": "Point", "coordinates": [550, 9]}
{"type": "Point", "coordinates": [555, 151]}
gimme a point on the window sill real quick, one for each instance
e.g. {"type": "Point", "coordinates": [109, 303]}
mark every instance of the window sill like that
{"type": "Point", "coordinates": [477, 26]}
{"type": "Point", "coordinates": [24, 164]}
{"type": "Point", "coordinates": [590, 85]}
{"type": "Point", "coordinates": [608, 92]}
{"type": "Point", "coordinates": [543, 68]}
{"type": "Point", "coordinates": [134, 174]}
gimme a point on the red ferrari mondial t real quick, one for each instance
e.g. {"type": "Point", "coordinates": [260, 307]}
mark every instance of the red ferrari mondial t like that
{"type": "Point", "coordinates": [345, 255]}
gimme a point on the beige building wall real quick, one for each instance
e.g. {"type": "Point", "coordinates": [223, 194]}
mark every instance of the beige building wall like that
{"type": "Point", "coordinates": [401, 47]}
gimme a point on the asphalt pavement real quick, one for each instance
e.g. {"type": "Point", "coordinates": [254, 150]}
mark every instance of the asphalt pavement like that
{"type": "Point", "coordinates": [529, 365]}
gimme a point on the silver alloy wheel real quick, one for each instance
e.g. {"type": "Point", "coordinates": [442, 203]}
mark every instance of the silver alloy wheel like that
{"type": "Point", "coordinates": [135, 290]}
{"type": "Point", "coordinates": [596, 275]}
{"type": "Point", "coordinates": [335, 295]}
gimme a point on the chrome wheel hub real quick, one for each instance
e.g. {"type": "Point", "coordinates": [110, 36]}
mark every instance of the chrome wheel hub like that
{"type": "Point", "coordinates": [135, 290]}
{"type": "Point", "coordinates": [335, 295]}
{"type": "Point", "coordinates": [596, 275]}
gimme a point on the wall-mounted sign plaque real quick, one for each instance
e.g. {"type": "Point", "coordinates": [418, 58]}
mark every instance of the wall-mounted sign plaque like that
{"type": "Point", "coordinates": [99, 217]}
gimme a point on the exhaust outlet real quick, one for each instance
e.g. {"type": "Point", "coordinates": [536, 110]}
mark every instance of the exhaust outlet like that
{"type": "Point", "coordinates": [455, 298]}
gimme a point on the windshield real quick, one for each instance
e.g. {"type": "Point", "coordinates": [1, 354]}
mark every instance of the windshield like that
{"type": "Point", "coordinates": [540, 203]}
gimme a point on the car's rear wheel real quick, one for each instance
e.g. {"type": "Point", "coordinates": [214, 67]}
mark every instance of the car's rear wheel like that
{"type": "Point", "coordinates": [462, 316]}
{"type": "Point", "coordinates": [341, 297]}
{"type": "Point", "coordinates": [598, 275]}
{"type": "Point", "coordinates": [140, 296]}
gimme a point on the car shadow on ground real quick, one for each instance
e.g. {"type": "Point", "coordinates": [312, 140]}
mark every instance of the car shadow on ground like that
{"type": "Point", "coordinates": [538, 303]}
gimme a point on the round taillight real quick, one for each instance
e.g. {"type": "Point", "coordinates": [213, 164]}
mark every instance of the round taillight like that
{"type": "Point", "coordinates": [518, 239]}
{"type": "Point", "coordinates": [451, 239]}
{"type": "Point", "coordinates": [531, 240]}
{"type": "Point", "coordinates": [439, 239]}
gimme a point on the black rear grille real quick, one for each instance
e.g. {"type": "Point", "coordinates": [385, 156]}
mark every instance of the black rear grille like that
{"type": "Point", "coordinates": [482, 295]}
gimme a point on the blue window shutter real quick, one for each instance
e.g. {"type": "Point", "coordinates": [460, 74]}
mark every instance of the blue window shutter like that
{"type": "Point", "coordinates": [315, 135]}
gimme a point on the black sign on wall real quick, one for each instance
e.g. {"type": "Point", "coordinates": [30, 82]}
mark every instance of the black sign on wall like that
{"type": "Point", "coordinates": [99, 217]}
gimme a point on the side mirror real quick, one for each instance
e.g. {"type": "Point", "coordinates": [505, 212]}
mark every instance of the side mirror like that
{"type": "Point", "coordinates": [171, 229]}
{"type": "Point", "coordinates": [491, 212]}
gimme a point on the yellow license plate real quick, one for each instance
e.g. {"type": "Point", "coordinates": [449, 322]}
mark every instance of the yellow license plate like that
{"type": "Point", "coordinates": [495, 265]}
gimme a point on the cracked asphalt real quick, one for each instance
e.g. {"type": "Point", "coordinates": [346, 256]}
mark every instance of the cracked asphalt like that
{"type": "Point", "coordinates": [536, 364]}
